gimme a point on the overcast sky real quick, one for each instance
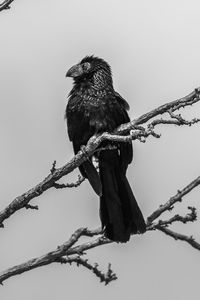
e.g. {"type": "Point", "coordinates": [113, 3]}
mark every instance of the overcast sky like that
{"type": "Point", "coordinates": [153, 48]}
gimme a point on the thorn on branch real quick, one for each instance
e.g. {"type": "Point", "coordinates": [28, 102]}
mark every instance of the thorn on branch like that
{"type": "Point", "coordinates": [193, 213]}
{"type": "Point", "coordinates": [29, 206]}
{"type": "Point", "coordinates": [53, 169]}
{"type": "Point", "coordinates": [104, 277]}
{"type": "Point", "coordinates": [191, 238]}
{"type": "Point", "coordinates": [170, 208]}
{"type": "Point", "coordinates": [197, 92]}
{"type": "Point", "coordinates": [110, 274]}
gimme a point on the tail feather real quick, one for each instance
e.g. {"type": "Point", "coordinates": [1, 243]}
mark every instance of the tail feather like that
{"type": "Point", "coordinates": [111, 212]}
{"type": "Point", "coordinates": [89, 171]}
{"type": "Point", "coordinates": [133, 217]}
{"type": "Point", "coordinates": [119, 212]}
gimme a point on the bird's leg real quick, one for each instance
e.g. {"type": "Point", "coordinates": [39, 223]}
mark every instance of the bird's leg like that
{"type": "Point", "coordinates": [82, 148]}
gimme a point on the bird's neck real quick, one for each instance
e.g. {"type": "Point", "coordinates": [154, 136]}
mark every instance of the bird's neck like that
{"type": "Point", "coordinates": [100, 81]}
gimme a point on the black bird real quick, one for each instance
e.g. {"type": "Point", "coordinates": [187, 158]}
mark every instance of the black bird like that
{"type": "Point", "coordinates": [95, 107]}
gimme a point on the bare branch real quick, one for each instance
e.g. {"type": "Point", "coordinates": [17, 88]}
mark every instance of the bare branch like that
{"type": "Point", "coordinates": [179, 122]}
{"type": "Point", "coordinates": [104, 277]}
{"type": "Point", "coordinates": [53, 168]}
{"type": "Point", "coordinates": [190, 217]}
{"type": "Point", "coordinates": [28, 206]}
{"type": "Point", "coordinates": [65, 249]}
{"type": "Point", "coordinates": [173, 106]}
{"type": "Point", "coordinates": [5, 4]}
{"type": "Point", "coordinates": [69, 252]}
{"type": "Point", "coordinates": [69, 185]}
{"type": "Point", "coordinates": [120, 135]}
{"type": "Point", "coordinates": [177, 198]}
{"type": "Point", "coordinates": [178, 236]}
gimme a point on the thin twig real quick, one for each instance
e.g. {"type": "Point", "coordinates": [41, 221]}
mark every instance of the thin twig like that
{"type": "Point", "coordinates": [104, 277]}
{"type": "Point", "coordinates": [5, 4]}
{"type": "Point", "coordinates": [178, 236]}
{"type": "Point", "coordinates": [190, 217]}
{"type": "Point", "coordinates": [70, 185]}
{"type": "Point", "coordinates": [177, 198]}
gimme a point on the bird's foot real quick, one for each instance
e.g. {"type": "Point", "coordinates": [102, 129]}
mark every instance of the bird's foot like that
{"type": "Point", "coordinates": [82, 148]}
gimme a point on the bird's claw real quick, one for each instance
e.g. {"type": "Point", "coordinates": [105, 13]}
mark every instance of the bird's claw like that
{"type": "Point", "coordinates": [82, 148]}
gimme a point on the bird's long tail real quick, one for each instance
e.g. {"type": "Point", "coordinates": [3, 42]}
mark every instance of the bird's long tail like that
{"type": "Point", "coordinates": [89, 171]}
{"type": "Point", "coordinates": [119, 211]}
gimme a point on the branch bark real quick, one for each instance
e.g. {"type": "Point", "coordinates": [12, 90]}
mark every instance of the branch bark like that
{"type": "Point", "coordinates": [5, 4]}
{"type": "Point", "coordinates": [178, 236]}
{"type": "Point", "coordinates": [177, 198]}
{"type": "Point", "coordinates": [125, 133]}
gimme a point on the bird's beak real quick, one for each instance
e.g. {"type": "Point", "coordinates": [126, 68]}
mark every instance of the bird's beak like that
{"type": "Point", "coordinates": [75, 71]}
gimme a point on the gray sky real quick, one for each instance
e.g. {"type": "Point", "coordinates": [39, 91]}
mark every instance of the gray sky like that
{"type": "Point", "coordinates": [154, 50]}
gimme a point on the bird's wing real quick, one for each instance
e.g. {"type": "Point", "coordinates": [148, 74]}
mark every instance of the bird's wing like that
{"type": "Point", "coordinates": [71, 117]}
{"type": "Point", "coordinates": [122, 101]}
{"type": "Point", "coordinates": [75, 121]}
{"type": "Point", "coordinates": [126, 149]}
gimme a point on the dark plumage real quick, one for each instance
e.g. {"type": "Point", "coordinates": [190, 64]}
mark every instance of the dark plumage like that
{"type": "Point", "coordinates": [95, 107]}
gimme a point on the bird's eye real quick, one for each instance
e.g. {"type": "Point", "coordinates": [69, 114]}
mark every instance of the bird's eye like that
{"type": "Point", "coordinates": [86, 66]}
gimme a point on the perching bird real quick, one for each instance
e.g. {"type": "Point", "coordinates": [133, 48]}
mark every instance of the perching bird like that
{"type": "Point", "coordinates": [95, 107]}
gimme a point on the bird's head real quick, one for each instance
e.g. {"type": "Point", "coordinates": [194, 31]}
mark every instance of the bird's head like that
{"type": "Point", "coordinates": [93, 69]}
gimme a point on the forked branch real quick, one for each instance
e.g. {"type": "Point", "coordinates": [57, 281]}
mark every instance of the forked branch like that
{"type": "Point", "coordinates": [69, 252]}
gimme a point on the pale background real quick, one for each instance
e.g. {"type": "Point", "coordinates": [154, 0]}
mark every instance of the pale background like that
{"type": "Point", "coordinates": [154, 50]}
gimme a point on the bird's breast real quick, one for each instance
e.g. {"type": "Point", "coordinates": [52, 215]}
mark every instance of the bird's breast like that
{"type": "Point", "coordinates": [98, 111]}
{"type": "Point", "coordinates": [95, 109]}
